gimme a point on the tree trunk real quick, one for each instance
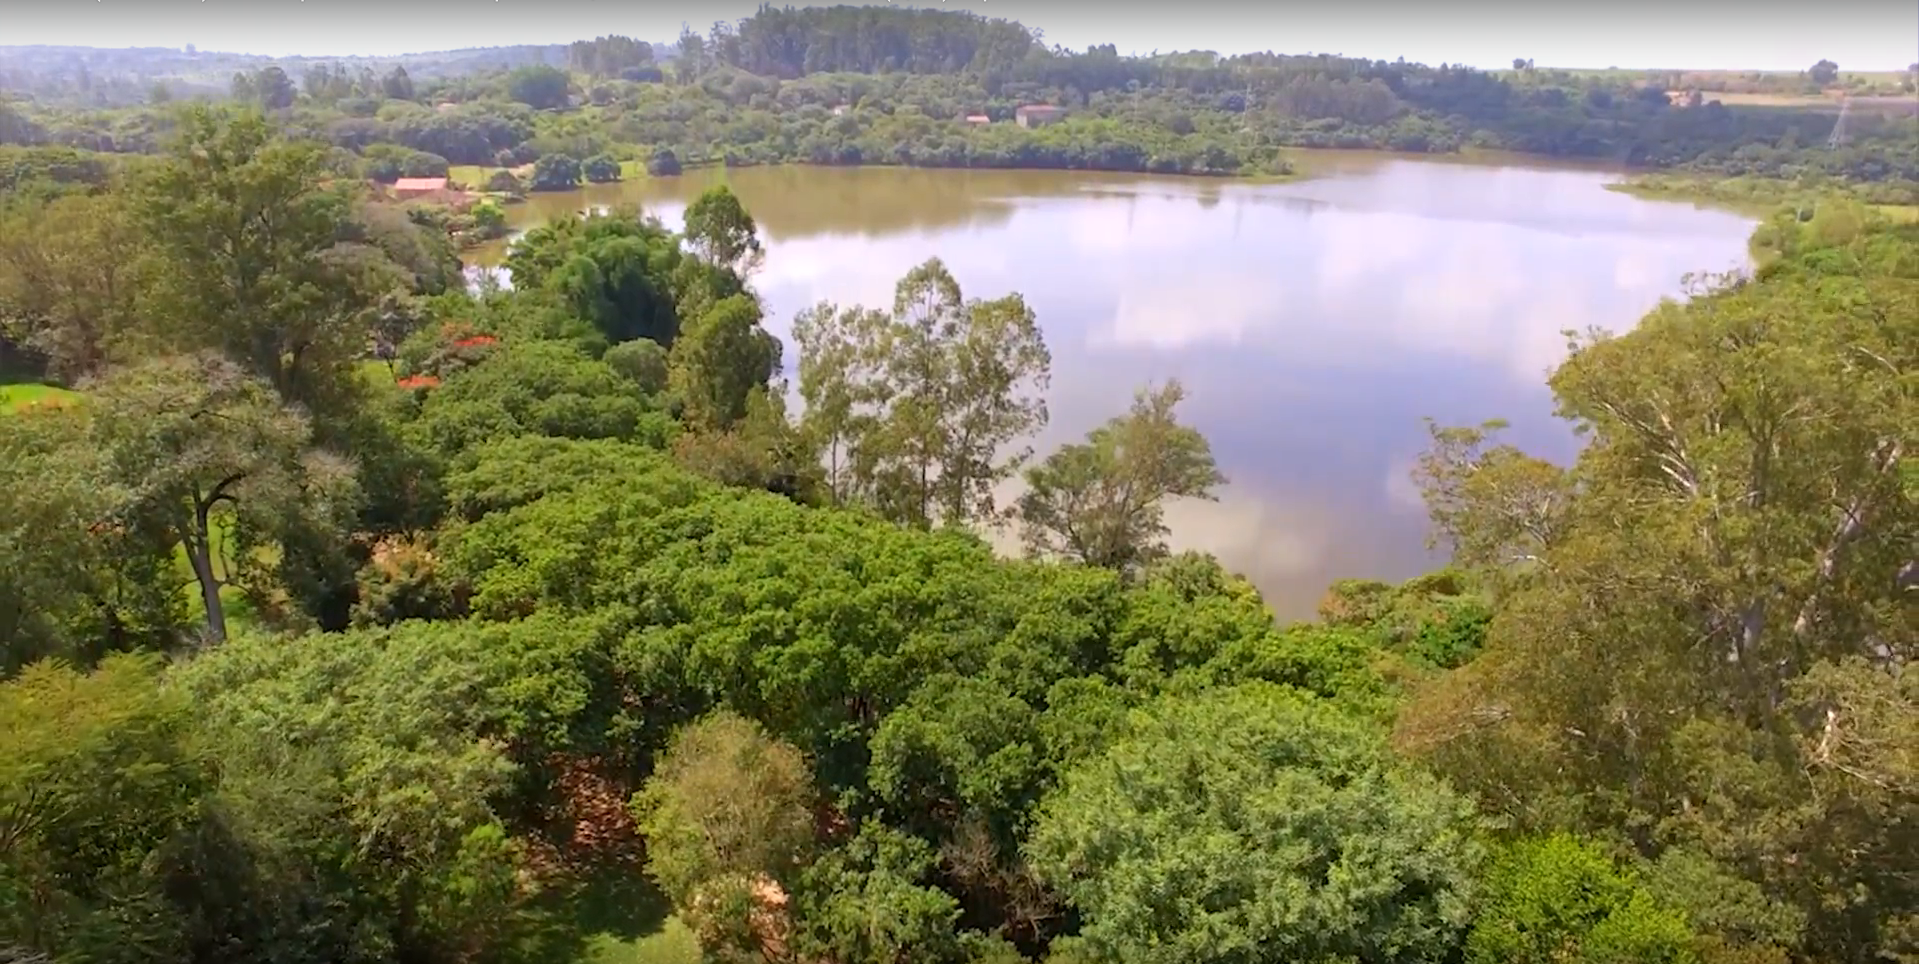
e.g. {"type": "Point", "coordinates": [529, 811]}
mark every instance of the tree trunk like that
{"type": "Point", "coordinates": [199, 548]}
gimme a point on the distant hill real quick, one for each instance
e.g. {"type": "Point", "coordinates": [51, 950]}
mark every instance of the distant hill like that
{"type": "Point", "coordinates": [118, 76]}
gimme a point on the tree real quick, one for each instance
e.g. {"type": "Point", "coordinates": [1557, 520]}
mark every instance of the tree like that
{"type": "Point", "coordinates": [203, 451]}
{"type": "Point", "coordinates": [1824, 72]}
{"type": "Point", "coordinates": [728, 820]}
{"type": "Point", "coordinates": [290, 305]}
{"type": "Point", "coordinates": [274, 89]}
{"type": "Point", "coordinates": [721, 231]}
{"type": "Point", "coordinates": [663, 163]}
{"type": "Point", "coordinates": [1556, 900]}
{"type": "Point", "coordinates": [718, 360]}
{"type": "Point", "coordinates": [1721, 594]}
{"type": "Point", "coordinates": [69, 280]}
{"type": "Point", "coordinates": [693, 56]}
{"type": "Point", "coordinates": [556, 172]}
{"type": "Point", "coordinates": [538, 86]}
{"type": "Point", "coordinates": [1492, 506]}
{"type": "Point", "coordinates": [536, 387]}
{"type": "Point", "coordinates": [600, 169]}
{"type": "Point", "coordinates": [396, 85]}
{"type": "Point", "coordinates": [615, 270]}
{"type": "Point", "coordinates": [834, 382]}
{"type": "Point", "coordinates": [1249, 819]}
{"type": "Point", "coordinates": [642, 361]}
{"type": "Point", "coordinates": [504, 182]}
{"type": "Point", "coordinates": [1100, 501]}
{"type": "Point", "coordinates": [76, 586]}
{"type": "Point", "coordinates": [78, 876]}
{"type": "Point", "coordinates": [945, 385]}
{"type": "Point", "coordinates": [609, 56]}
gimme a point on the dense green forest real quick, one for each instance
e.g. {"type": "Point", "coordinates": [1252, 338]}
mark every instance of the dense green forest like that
{"type": "Point", "coordinates": [350, 615]}
{"type": "Point", "coordinates": [883, 85]}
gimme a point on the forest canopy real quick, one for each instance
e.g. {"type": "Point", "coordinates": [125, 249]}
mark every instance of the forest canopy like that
{"type": "Point", "coordinates": [856, 85]}
{"type": "Point", "coordinates": [352, 614]}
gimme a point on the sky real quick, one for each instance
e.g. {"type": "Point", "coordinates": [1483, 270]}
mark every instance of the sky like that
{"type": "Point", "coordinates": [1701, 34]}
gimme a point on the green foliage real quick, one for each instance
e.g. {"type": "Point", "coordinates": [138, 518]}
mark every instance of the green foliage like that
{"type": "Point", "coordinates": [1721, 578]}
{"type": "Point", "coordinates": [556, 172]}
{"type": "Point", "coordinates": [538, 86]}
{"type": "Point", "coordinates": [868, 903]}
{"type": "Point", "coordinates": [73, 742]}
{"type": "Point", "coordinates": [717, 362]}
{"type": "Point", "coordinates": [390, 162]}
{"type": "Point", "coordinates": [1733, 913]}
{"type": "Point", "coordinates": [573, 642]}
{"type": "Point", "coordinates": [1250, 821]}
{"type": "Point", "coordinates": [69, 282]}
{"type": "Point", "coordinates": [615, 270]}
{"type": "Point", "coordinates": [663, 163]}
{"type": "Point", "coordinates": [728, 820]}
{"type": "Point", "coordinates": [718, 227]}
{"type": "Point", "coordinates": [30, 168]}
{"type": "Point", "coordinates": [185, 439]}
{"type": "Point", "coordinates": [641, 361]}
{"type": "Point", "coordinates": [1100, 502]}
{"type": "Point", "coordinates": [287, 304]}
{"type": "Point", "coordinates": [599, 169]}
{"type": "Point", "coordinates": [538, 387]}
{"type": "Point", "coordinates": [920, 406]}
{"type": "Point", "coordinates": [1556, 899]}
{"type": "Point", "coordinates": [76, 586]}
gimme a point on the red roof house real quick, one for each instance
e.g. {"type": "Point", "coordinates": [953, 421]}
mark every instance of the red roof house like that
{"type": "Point", "coordinates": [412, 186]}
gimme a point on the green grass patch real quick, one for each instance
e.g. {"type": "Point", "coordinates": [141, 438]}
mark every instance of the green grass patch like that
{"type": "Point", "coordinates": [21, 396]}
{"type": "Point", "coordinates": [674, 944]}
{"type": "Point", "coordinates": [376, 373]}
{"type": "Point", "coordinates": [1898, 213]}
{"type": "Point", "coordinates": [630, 921]}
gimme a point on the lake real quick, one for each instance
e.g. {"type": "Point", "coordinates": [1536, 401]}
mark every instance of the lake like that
{"type": "Point", "coordinates": [1315, 323]}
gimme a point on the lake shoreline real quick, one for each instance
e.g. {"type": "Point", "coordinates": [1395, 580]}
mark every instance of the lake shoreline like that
{"type": "Point", "coordinates": [1760, 197]}
{"type": "Point", "coordinates": [1309, 163]}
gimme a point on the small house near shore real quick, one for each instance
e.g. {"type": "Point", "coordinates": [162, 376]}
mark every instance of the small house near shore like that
{"type": "Point", "coordinates": [429, 190]}
{"type": "Point", "coordinates": [1038, 115]}
{"type": "Point", "coordinates": [411, 187]}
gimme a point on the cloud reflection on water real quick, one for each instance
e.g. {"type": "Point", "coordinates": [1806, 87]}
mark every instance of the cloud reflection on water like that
{"type": "Point", "coordinates": [1314, 323]}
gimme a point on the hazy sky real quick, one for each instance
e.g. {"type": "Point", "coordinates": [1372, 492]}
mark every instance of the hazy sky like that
{"type": "Point", "coordinates": [1758, 34]}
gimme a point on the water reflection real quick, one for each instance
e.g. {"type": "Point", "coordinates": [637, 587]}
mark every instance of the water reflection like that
{"type": "Point", "coordinates": [1314, 322]}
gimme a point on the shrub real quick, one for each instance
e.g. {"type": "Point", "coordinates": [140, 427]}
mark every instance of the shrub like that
{"type": "Point", "coordinates": [1558, 900]}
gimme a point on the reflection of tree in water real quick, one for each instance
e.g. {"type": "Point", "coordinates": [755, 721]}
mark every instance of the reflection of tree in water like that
{"type": "Point", "coordinates": [796, 201]}
{"type": "Point", "coordinates": [799, 201]}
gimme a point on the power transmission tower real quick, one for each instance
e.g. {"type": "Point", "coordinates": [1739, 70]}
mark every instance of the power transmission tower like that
{"type": "Point", "coordinates": [1838, 138]}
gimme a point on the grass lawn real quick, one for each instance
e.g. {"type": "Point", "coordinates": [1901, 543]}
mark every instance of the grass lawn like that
{"type": "Point", "coordinates": [376, 373]}
{"type": "Point", "coordinates": [24, 395]}
{"type": "Point", "coordinates": [472, 175]}
{"type": "Point", "coordinates": [1899, 213]}
{"type": "Point", "coordinates": [674, 944]}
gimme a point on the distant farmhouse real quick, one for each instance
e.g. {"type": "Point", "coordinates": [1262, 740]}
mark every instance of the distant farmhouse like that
{"type": "Point", "coordinates": [412, 187]}
{"type": "Point", "coordinates": [1038, 115]}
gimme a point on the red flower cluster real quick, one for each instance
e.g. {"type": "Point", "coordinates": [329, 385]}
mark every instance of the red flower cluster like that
{"type": "Point", "coordinates": [419, 381]}
{"type": "Point", "coordinates": [475, 341]}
